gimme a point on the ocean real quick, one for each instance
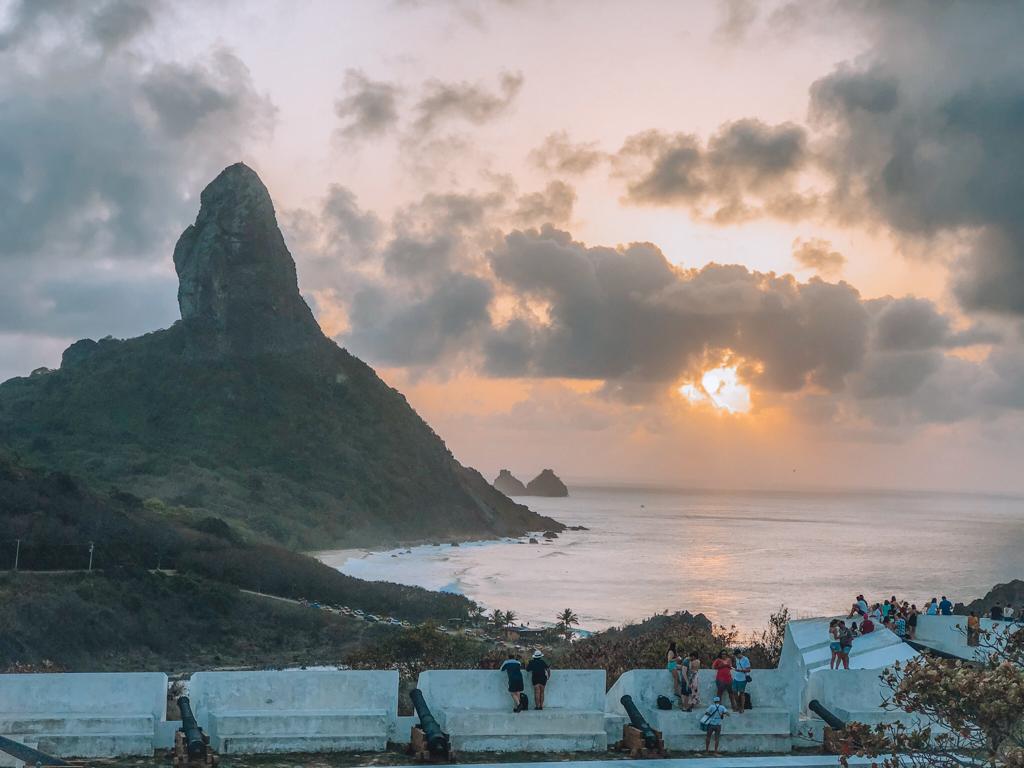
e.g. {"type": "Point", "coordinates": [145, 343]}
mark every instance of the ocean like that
{"type": "Point", "coordinates": [734, 556]}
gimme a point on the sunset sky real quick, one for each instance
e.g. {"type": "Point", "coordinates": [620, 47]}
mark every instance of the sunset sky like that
{"type": "Point", "coordinates": [717, 244]}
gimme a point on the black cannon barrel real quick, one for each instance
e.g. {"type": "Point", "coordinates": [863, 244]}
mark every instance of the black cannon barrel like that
{"type": "Point", "coordinates": [639, 722]}
{"type": "Point", "coordinates": [437, 740]}
{"type": "Point", "coordinates": [833, 722]}
{"type": "Point", "coordinates": [27, 755]}
{"type": "Point", "coordinates": [194, 741]}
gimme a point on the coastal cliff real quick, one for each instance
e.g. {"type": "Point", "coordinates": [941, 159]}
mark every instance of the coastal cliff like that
{"type": "Point", "coordinates": [547, 483]}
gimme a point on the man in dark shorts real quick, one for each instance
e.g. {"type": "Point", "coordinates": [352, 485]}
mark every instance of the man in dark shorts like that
{"type": "Point", "coordinates": [514, 670]}
{"type": "Point", "coordinates": [540, 673]}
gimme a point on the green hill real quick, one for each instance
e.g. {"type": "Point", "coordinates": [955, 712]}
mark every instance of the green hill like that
{"type": "Point", "coordinates": [245, 410]}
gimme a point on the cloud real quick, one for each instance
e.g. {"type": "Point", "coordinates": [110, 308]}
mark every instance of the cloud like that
{"type": "Point", "coordinates": [369, 108]}
{"type": "Point", "coordinates": [442, 102]}
{"type": "Point", "coordinates": [932, 148]}
{"type": "Point", "coordinates": [552, 205]}
{"type": "Point", "coordinates": [737, 18]}
{"type": "Point", "coordinates": [817, 254]}
{"type": "Point", "coordinates": [746, 169]}
{"type": "Point", "coordinates": [557, 154]}
{"type": "Point", "coordinates": [100, 150]}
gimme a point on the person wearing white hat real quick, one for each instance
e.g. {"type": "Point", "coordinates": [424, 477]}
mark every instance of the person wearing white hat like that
{"type": "Point", "coordinates": [711, 722]}
{"type": "Point", "coordinates": [540, 672]}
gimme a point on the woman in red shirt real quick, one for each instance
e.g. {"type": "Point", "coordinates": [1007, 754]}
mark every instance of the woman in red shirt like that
{"type": "Point", "coordinates": [723, 673]}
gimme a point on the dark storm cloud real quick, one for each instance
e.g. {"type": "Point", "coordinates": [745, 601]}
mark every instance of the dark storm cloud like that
{"type": "Point", "coordinates": [558, 154]}
{"type": "Point", "coordinates": [747, 168]}
{"type": "Point", "coordinates": [443, 102]}
{"type": "Point", "coordinates": [923, 133]}
{"type": "Point", "coordinates": [629, 314]}
{"type": "Point", "coordinates": [916, 324]}
{"type": "Point", "coordinates": [369, 108]}
{"type": "Point", "coordinates": [818, 254]}
{"type": "Point", "coordinates": [98, 146]}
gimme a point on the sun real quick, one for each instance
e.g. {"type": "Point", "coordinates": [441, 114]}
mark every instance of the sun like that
{"type": "Point", "coordinates": [721, 388]}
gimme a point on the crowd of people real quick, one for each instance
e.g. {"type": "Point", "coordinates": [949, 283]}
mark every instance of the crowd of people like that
{"type": "Point", "coordinates": [732, 674]}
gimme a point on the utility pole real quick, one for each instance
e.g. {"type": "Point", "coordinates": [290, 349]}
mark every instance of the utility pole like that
{"type": "Point", "coordinates": [17, 552]}
{"type": "Point", "coordinates": [91, 547]}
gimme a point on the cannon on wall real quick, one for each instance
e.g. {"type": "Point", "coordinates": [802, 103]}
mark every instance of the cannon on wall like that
{"type": "Point", "coordinates": [427, 741]}
{"type": "Point", "coordinates": [637, 735]}
{"type": "Point", "coordinates": [191, 745]}
{"type": "Point", "coordinates": [833, 724]}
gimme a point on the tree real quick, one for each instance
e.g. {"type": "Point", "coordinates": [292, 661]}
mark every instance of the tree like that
{"type": "Point", "coordinates": [498, 619]}
{"type": "Point", "coordinates": [566, 620]}
{"type": "Point", "coordinates": [510, 618]}
{"type": "Point", "coordinates": [765, 649]}
{"type": "Point", "coordinates": [976, 711]}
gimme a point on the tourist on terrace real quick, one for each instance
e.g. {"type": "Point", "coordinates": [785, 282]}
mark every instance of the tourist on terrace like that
{"type": "Point", "coordinates": [673, 667]}
{"type": "Point", "coordinates": [833, 632]}
{"type": "Point", "coordinates": [973, 629]}
{"type": "Point", "coordinates": [862, 605]}
{"type": "Point", "coordinates": [714, 715]}
{"type": "Point", "coordinates": [723, 675]}
{"type": "Point", "coordinates": [876, 613]}
{"type": "Point", "coordinates": [901, 626]}
{"type": "Point", "coordinates": [740, 678]}
{"type": "Point", "coordinates": [693, 700]}
{"type": "Point", "coordinates": [912, 623]}
{"type": "Point", "coordinates": [514, 669]}
{"type": "Point", "coordinates": [1008, 612]}
{"type": "Point", "coordinates": [540, 673]}
{"type": "Point", "coordinates": [887, 611]}
{"type": "Point", "coordinates": [867, 626]}
{"type": "Point", "coordinates": [845, 644]}
{"type": "Point", "coordinates": [996, 614]}
{"type": "Point", "coordinates": [946, 607]}
{"type": "Point", "coordinates": [933, 607]}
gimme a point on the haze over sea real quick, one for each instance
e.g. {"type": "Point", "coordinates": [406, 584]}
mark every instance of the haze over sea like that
{"type": "Point", "coordinates": [735, 556]}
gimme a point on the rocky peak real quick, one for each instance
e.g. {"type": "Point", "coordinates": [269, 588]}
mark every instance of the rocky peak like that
{"type": "Point", "coordinates": [237, 282]}
{"type": "Point", "coordinates": [509, 484]}
{"type": "Point", "coordinates": [547, 483]}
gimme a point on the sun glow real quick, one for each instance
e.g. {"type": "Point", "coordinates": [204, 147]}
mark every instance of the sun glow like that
{"type": "Point", "coordinates": [721, 388]}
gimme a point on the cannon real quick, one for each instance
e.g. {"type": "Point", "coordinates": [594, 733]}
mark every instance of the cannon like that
{"type": "Point", "coordinates": [191, 745]}
{"type": "Point", "coordinates": [28, 755]}
{"type": "Point", "coordinates": [637, 735]}
{"type": "Point", "coordinates": [427, 741]}
{"type": "Point", "coordinates": [834, 724]}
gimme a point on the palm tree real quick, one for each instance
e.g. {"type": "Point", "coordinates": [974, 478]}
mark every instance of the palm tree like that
{"type": "Point", "coordinates": [498, 619]}
{"type": "Point", "coordinates": [510, 618]}
{"type": "Point", "coordinates": [566, 620]}
{"type": "Point", "coordinates": [476, 614]}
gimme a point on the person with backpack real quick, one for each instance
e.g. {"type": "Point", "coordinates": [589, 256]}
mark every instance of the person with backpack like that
{"type": "Point", "coordinates": [711, 723]}
{"type": "Point", "coordinates": [946, 607]}
{"type": "Point", "coordinates": [514, 669]}
{"type": "Point", "coordinates": [845, 644]}
{"type": "Point", "coordinates": [540, 673]}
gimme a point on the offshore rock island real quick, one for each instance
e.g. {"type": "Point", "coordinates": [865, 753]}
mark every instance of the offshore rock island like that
{"type": "Point", "coordinates": [244, 409]}
{"type": "Point", "coordinates": [547, 483]}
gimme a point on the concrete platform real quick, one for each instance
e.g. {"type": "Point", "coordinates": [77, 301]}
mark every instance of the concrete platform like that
{"type": "Point", "coordinates": [475, 709]}
{"type": "Point", "coordinates": [768, 727]}
{"type": "Point", "coordinates": [91, 715]}
{"type": "Point", "coordinates": [296, 711]}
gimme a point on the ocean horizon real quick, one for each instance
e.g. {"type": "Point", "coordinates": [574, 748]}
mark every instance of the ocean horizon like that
{"type": "Point", "coordinates": [735, 556]}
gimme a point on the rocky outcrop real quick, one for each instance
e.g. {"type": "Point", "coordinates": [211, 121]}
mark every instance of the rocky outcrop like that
{"type": "Point", "coordinates": [1011, 593]}
{"type": "Point", "coordinates": [546, 483]}
{"type": "Point", "coordinates": [509, 484]}
{"type": "Point", "coordinates": [244, 410]}
{"type": "Point", "coordinates": [236, 279]}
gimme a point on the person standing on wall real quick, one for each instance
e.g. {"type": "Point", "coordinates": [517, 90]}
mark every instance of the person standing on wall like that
{"type": "Point", "coordinates": [845, 644]}
{"type": "Point", "coordinates": [740, 678]}
{"type": "Point", "coordinates": [973, 630]}
{"type": "Point", "coordinates": [540, 673]}
{"type": "Point", "coordinates": [723, 676]}
{"type": "Point", "coordinates": [692, 681]}
{"type": "Point", "coordinates": [514, 669]}
{"type": "Point", "coordinates": [672, 664]}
